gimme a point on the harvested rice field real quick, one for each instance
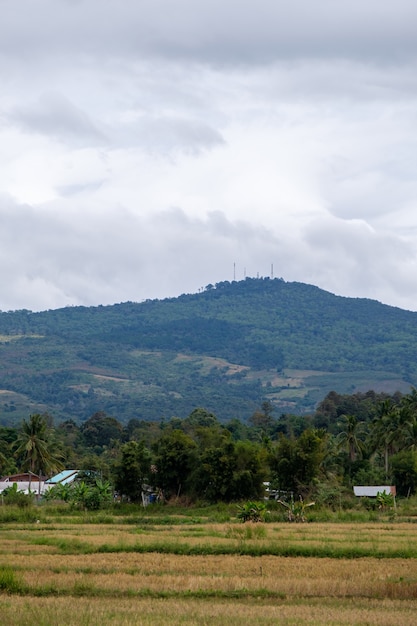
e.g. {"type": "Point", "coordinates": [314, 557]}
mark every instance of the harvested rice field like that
{"type": "Point", "coordinates": [203, 573]}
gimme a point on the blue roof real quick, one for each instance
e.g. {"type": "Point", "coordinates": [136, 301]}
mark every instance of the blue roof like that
{"type": "Point", "coordinates": [66, 476]}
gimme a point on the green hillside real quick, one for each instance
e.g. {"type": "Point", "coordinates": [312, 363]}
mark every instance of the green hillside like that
{"type": "Point", "coordinates": [227, 349]}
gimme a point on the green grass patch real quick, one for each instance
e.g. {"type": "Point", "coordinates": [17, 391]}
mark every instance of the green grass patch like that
{"type": "Point", "coordinates": [244, 548]}
{"type": "Point", "coordinates": [10, 582]}
{"type": "Point", "coordinates": [64, 546]}
{"type": "Point", "coordinates": [13, 514]}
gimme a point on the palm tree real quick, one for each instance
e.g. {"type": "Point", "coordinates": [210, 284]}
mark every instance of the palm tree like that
{"type": "Point", "coordinates": [7, 465]}
{"type": "Point", "coordinates": [411, 400]}
{"type": "Point", "coordinates": [408, 410]}
{"type": "Point", "coordinates": [350, 438]}
{"type": "Point", "coordinates": [33, 444]}
{"type": "Point", "coordinates": [389, 429]}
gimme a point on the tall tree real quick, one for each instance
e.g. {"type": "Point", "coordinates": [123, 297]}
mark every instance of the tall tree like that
{"type": "Point", "coordinates": [32, 445]}
{"type": "Point", "coordinates": [7, 440]}
{"type": "Point", "coordinates": [296, 463]}
{"type": "Point", "coordinates": [408, 420]}
{"type": "Point", "coordinates": [132, 469]}
{"type": "Point", "coordinates": [263, 420]}
{"type": "Point", "coordinates": [351, 438]}
{"type": "Point", "coordinates": [175, 454]}
{"type": "Point", "coordinates": [100, 430]}
{"type": "Point", "coordinates": [387, 429]}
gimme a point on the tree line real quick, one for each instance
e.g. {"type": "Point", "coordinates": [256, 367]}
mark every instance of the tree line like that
{"type": "Point", "coordinates": [364, 438]}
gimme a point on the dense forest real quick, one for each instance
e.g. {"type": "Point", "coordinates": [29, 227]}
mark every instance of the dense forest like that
{"type": "Point", "coordinates": [229, 348]}
{"type": "Point", "coordinates": [363, 438]}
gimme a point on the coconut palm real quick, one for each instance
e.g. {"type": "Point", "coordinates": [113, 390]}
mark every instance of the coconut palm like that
{"type": "Point", "coordinates": [408, 420]}
{"type": "Point", "coordinates": [411, 400]}
{"type": "Point", "coordinates": [390, 429]}
{"type": "Point", "coordinates": [33, 444]}
{"type": "Point", "coordinates": [350, 438]}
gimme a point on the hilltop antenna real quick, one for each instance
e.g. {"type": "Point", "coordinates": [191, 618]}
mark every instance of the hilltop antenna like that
{"type": "Point", "coordinates": [244, 272]}
{"type": "Point", "coordinates": [272, 271]}
{"type": "Point", "coordinates": [234, 271]}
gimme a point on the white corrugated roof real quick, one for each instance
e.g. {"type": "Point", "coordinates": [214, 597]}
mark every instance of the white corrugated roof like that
{"type": "Point", "coordinates": [371, 491]}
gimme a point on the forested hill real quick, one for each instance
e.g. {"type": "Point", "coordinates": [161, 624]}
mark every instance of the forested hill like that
{"type": "Point", "coordinates": [226, 349]}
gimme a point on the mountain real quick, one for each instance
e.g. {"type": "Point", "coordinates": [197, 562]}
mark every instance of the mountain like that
{"type": "Point", "coordinates": [226, 349]}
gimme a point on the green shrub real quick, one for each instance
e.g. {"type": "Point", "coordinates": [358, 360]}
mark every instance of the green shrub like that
{"type": "Point", "coordinates": [252, 512]}
{"type": "Point", "coordinates": [369, 504]}
{"type": "Point", "coordinates": [12, 496]}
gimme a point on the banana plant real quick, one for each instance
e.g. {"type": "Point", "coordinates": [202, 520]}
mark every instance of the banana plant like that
{"type": "Point", "coordinates": [252, 512]}
{"type": "Point", "coordinates": [296, 509]}
{"type": "Point", "coordinates": [385, 501]}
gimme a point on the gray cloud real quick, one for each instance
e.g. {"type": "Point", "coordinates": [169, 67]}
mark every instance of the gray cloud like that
{"type": "Point", "coordinates": [121, 256]}
{"type": "Point", "coordinates": [170, 134]}
{"type": "Point", "coordinates": [57, 261]}
{"type": "Point", "coordinates": [350, 258]}
{"type": "Point", "coordinates": [54, 115]}
{"type": "Point", "coordinates": [219, 32]}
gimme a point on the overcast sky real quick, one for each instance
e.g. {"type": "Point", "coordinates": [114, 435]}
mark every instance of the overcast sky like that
{"type": "Point", "coordinates": [151, 147]}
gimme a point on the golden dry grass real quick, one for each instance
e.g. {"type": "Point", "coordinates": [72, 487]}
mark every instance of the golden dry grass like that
{"type": "Point", "coordinates": [20, 611]}
{"type": "Point", "coordinates": [120, 573]}
{"type": "Point", "coordinates": [375, 539]}
{"type": "Point", "coordinates": [124, 587]}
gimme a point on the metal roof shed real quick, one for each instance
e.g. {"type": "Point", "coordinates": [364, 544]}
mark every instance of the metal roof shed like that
{"type": "Point", "coordinates": [64, 477]}
{"type": "Point", "coordinates": [371, 491]}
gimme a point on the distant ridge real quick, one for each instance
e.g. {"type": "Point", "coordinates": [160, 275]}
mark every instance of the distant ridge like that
{"type": "Point", "coordinates": [226, 348]}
